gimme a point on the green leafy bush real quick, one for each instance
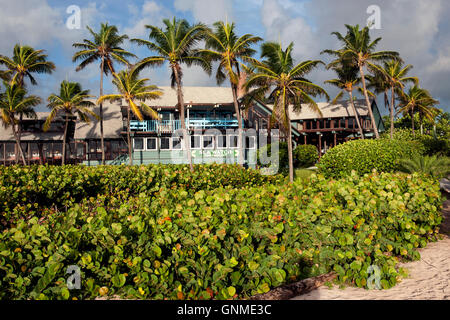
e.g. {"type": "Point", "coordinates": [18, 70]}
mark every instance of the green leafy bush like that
{"type": "Point", "coordinates": [282, 161]}
{"type": "Point", "coordinates": [305, 156]}
{"type": "Point", "coordinates": [365, 155]}
{"type": "Point", "coordinates": [432, 145]}
{"type": "Point", "coordinates": [27, 191]}
{"type": "Point", "coordinates": [224, 243]}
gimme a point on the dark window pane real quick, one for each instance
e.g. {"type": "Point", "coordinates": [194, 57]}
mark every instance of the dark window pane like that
{"type": "Point", "coordinates": [151, 144]}
{"type": "Point", "coordinates": [195, 142]}
{"type": "Point", "coordinates": [233, 141]}
{"type": "Point", "coordinates": [208, 142]}
{"type": "Point", "coordinates": [165, 143]}
{"type": "Point", "coordinates": [221, 141]}
{"type": "Point", "coordinates": [176, 143]}
{"type": "Point", "coordinates": [138, 144]}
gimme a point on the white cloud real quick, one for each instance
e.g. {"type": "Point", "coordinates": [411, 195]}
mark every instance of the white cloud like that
{"type": "Point", "coordinates": [207, 11]}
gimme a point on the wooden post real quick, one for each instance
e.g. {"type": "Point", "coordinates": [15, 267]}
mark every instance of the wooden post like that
{"type": "Point", "coordinates": [320, 146]}
{"type": "Point", "coordinates": [304, 138]}
{"type": "Point", "coordinates": [335, 139]}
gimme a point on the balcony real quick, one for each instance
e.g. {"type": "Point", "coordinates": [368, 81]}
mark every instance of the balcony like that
{"type": "Point", "coordinates": [169, 126]}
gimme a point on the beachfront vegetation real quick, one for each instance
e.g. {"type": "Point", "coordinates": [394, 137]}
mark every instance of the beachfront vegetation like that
{"type": "Point", "coordinates": [159, 233]}
{"type": "Point", "coordinates": [363, 156]}
{"type": "Point", "coordinates": [219, 231]}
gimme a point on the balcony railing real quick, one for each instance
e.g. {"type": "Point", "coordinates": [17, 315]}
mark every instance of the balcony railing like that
{"type": "Point", "coordinates": [169, 126]}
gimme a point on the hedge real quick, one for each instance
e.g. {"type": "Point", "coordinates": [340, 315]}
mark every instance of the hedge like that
{"type": "Point", "coordinates": [37, 190]}
{"type": "Point", "coordinates": [365, 155]}
{"type": "Point", "coordinates": [224, 243]}
{"type": "Point", "coordinates": [304, 156]}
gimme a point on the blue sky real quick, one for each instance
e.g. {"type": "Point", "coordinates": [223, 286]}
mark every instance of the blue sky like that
{"type": "Point", "coordinates": [418, 29]}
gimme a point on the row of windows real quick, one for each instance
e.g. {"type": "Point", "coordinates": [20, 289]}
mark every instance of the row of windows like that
{"type": "Point", "coordinates": [197, 142]}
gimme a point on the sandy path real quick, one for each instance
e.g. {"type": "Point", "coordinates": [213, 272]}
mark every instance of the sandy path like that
{"type": "Point", "coordinates": [429, 278]}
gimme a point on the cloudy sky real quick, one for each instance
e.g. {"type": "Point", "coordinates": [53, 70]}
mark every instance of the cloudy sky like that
{"type": "Point", "coordinates": [418, 29]}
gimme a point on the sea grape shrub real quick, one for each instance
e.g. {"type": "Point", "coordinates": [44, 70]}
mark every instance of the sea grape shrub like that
{"type": "Point", "coordinates": [305, 156]}
{"type": "Point", "coordinates": [28, 191]}
{"type": "Point", "coordinates": [224, 243]}
{"type": "Point", "coordinates": [363, 156]}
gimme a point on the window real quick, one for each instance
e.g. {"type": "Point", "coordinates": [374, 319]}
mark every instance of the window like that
{"type": "Point", "coordinates": [165, 143]}
{"type": "Point", "coordinates": [138, 144]}
{"type": "Point", "coordinates": [250, 142]}
{"type": "Point", "coordinates": [151, 143]}
{"type": "Point", "coordinates": [208, 142]}
{"type": "Point", "coordinates": [176, 143]}
{"type": "Point", "coordinates": [221, 142]}
{"type": "Point", "coordinates": [195, 142]}
{"type": "Point", "coordinates": [234, 141]}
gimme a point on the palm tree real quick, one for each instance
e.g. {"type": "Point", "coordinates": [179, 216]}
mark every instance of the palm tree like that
{"type": "Point", "coordinates": [284, 81]}
{"type": "Point", "coordinates": [176, 46]}
{"type": "Point", "coordinates": [224, 46]}
{"type": "Point", "coordinates": [360, 50]}
{"type": "Point", "coordinates": [133, 89]}
{"type": "Point", "coordinates": [395, 77]}
{"type": "Point", "coordinates": [105, 47]}
{"type": "Point", "coordinates": [71, 100]}
{"type": "Point", "coordinates": [416, 100]}
{"type": "Point", "coordinates": [437, 167]}
{"type": "Point", "coordinates": [24, 63]}
{"type": "Point", "coordinates": [347, 81]}
{"type": "Point", "coordinates": [15, 102]}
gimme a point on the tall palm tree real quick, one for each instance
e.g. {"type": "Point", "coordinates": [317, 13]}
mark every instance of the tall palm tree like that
{"type": "Point", "coordinates": [360, 50]}
{"type": "Point", "coordinates": [415, 100]}
{"type": "Point", "coordinates": [106, 47]}
{"type": "Point", "coordinates": [176, 45]}
{"type": "Point", "coordinates": [133, 89]}
{"type": "Point", "coordinates": [71, 101]}
{"type": "Point", "coordinates": [224, 46]}
{"type": "Point", "coordinates": [284, 81]}
{"type": "Point", "coordinates": [14, 102]}
{"type": "Point", "coordinates": [395, 77]}
{"type": "Point", "coordinates": [24, 62]}
{"type": "Point", "coordinates": [347, 81]}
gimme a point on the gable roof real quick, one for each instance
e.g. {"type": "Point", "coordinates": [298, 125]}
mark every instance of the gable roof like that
{"type": "Point", "coordinates": [338, 110]}
{"type": "Point", "coordinates": [193, 95]}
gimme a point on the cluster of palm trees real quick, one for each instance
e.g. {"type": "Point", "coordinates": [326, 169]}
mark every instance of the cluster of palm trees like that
{"type": "Point", "coordinates": [178, 44]}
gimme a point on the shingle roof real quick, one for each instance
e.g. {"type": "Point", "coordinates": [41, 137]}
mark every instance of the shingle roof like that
{"type": "Point", "coordinates": [194, 95]}
{"type": "Point", "coordinates": [338, 110]}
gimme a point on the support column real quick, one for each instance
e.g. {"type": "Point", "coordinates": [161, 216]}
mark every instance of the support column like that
{"type": "Point", "coordinates": [320, 145]}
{"type": "Point", "coordinates": [335, 138]}
{"type": "Point", "coordinates": [304, 138]}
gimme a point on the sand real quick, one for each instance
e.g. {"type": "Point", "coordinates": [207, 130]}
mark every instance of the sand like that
{"type": "Point", "coordinates": [429, 278]}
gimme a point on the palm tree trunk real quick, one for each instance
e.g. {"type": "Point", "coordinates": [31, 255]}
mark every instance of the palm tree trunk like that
{"type": "Point", "coordinates": [102, 140]}
{"type": "Point", "coordinates": [290, 156]}
{"type": "Point", "coordinates": [391, 110]}
{"type": "Point", "coordinates": [240, 129]}
{"type": "Point", "coordinates": [369, 107]}
{"type": "Point", "coordinates": [19, 146]}
{"type": "Point", "coordinates": [182, 118]}
{"type": "Point", "coordinates": [412, 122]}
{"type": "Point", "coordinates": [356, 115]}
{"type": "Point", "coordinates": [130, 148]}
{"type": "Point", "coordinates": [63, 161]}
